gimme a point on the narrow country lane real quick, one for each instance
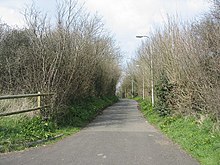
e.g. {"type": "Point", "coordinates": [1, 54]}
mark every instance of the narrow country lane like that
{"type": "Point", "coordinates": [120, 136]}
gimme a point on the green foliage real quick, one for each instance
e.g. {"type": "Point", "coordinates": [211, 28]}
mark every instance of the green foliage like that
{"type": "Point", "coordinates": [198, 139]}
{"type": "Point", "coordinates": [163, 91]}
{"type": "Point", "coordinates": [80, 113]}
{"type": "Point", "coordinates": [17, 132]}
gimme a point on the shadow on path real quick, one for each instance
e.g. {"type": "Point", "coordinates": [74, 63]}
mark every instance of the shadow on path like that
{"type": "Point", "coordinates": [120, 136]}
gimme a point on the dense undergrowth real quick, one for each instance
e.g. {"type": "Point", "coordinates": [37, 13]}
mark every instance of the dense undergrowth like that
{"type": "Point", "coordinates": [195, 137]}
{"type": "Point", "coordinates": [19, 132]}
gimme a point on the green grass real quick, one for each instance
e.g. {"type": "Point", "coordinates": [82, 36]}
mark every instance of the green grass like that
{"type": "Point", "coordinates": [197, 139]}
{"type": "Point", "coordinates": [16, 132]}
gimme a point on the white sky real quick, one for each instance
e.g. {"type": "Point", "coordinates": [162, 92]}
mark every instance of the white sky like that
{"type": "Point", "coordinates": [124, 18]}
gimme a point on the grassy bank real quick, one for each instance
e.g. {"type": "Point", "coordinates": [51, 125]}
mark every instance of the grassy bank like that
{"type": "Point", "coordinates": [19, 132]}
{"type": "Point", "coordinates": [196, 138]}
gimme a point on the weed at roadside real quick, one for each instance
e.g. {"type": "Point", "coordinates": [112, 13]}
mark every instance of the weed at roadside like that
{"type": "Point", "coordinates": [17, 132]}
{"type": "Point", "coordinates": [197, 139]}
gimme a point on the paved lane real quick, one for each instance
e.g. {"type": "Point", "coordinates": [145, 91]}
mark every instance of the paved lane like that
{"type": "Point", "coordinates": [120, 136]}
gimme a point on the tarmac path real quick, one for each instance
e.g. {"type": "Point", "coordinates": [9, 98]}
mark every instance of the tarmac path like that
{"type": "Point", "coordinates": [119, 136]}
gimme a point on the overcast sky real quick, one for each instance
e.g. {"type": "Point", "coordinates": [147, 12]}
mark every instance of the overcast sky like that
{"type": "Point", "coordinates": [124, 18]}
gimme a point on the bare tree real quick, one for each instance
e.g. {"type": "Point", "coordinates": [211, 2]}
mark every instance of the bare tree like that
{"type": "Point", "coordinates": [75, 58]}
{"type": "Point", "coordinates": [185, 65]}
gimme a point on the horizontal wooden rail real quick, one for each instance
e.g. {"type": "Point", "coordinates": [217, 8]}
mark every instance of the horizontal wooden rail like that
{"type": "Point", "coordinates": [39, 106]}
{"type": "Point", "coordinates": [23, 111]}
{"type": "Point", "coordinates": [24, 96]}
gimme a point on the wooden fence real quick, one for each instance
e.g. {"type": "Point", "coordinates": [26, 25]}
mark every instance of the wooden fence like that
{"type": "Point", "coordinates": [39, 102]}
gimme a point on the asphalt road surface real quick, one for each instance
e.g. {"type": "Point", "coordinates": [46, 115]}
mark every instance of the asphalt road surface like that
{"type": "Point", "coordinates": [120, 136]}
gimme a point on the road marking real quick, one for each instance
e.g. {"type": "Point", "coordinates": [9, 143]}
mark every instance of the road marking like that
{"type": "Point", "coordinates": [103, 156]}
{"type": "Point", "coordinates": [100, 154]}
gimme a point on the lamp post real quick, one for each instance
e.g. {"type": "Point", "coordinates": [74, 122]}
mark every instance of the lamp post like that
{"type": "Point", "coordinates": [142, 83]}
{"type": "Point", "coordinates": [141, 36]}
{"type": "Point", "coordinates": [151, 71]}
{"type": "Point", "coordinates": [132, 87]}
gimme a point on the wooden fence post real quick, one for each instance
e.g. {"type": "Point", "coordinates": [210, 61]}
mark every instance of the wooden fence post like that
{"type": "Point", "coordinates": [40, 103]}
{"type": "Point", "coordinates": [38, 100]}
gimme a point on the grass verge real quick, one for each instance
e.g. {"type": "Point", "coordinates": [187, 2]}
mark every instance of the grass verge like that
{"type": "Point", "coordinates": [197, 139]}
{"type": "Point", "coordinates": [19, 132]}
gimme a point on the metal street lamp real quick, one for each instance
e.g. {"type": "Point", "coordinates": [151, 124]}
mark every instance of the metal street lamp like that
{"type": "Point", "coordinates": [132, 87]}
{"type": "Point", "coordinates": [151, 71]}
{"type": "Point", "coordinates": [141, 36]}
{"type": "Point", "coordinates": [142, 83]}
